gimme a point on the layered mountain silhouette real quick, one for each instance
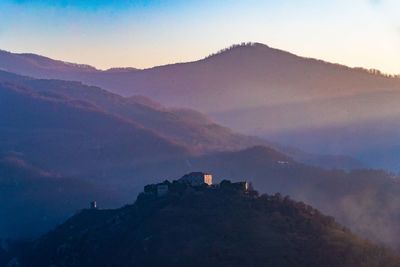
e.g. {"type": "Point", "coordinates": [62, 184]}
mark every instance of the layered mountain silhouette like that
{"type": "Point", "coordinates": [62, 134]}
{"type": "Point", "coordinates": [205, 227]}
{"type": "Point", "coordinates": [36, 65]}
{"type": "Point", "coordinates": [258, 90]}
{"type": "Point", "coordinates": [117, 145]}
{"type": "Point", "coordinates": [187, 127]}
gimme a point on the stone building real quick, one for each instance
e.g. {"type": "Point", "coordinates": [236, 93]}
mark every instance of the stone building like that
{"type": "Point", "coordinates": [197, 179]}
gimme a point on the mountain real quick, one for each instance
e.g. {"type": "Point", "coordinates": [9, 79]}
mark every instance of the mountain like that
{"type": "Point", "coordinates": [36, 65]}
{"type": "Point", "coordinates": [187, 127]}
{"type": "Point", "coordinates": [258, 90]}
{"type": "Point", "coordinates": [205, 227]}
{"type": "Point", "coordinates": [71, 136]}
{"type": "Point", "coordinates": [259, 70]}
{"type": "Point", "coordinates": [190, 128]}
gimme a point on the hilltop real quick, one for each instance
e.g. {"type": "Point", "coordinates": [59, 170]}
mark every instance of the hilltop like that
{"type": "Point", "coordinates": [223, 225]}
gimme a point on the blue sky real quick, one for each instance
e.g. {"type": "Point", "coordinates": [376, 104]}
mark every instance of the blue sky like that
{"type": "Point", "coordinates": [147, 33]}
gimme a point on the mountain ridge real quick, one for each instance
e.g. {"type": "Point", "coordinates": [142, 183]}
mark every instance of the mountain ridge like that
{"type": "Point", "coordinates": [212, 55]}
{"type": "Point", "coordinates": [190, 128]}
{"type": "Point", "coordinates": [209, 227]}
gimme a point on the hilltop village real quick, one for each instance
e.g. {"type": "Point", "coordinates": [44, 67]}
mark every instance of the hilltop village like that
{"type": "Point", "coordinates": [191, 183]}
{"type": "Point", "coordinates": [196, 181]}
{"type": "Point", "coordinates": [193, 222]}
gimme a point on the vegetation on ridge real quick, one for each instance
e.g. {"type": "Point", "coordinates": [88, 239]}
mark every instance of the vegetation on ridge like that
{"type": "Point", "coordinates": [206, 227]}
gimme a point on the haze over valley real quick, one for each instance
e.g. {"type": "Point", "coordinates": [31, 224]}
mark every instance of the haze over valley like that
{"type": "Point", "coordinates": [256, 90]}
{"type": "Point", "coordinates": [221, 153]}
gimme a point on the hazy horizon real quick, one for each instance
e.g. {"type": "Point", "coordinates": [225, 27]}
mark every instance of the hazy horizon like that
{"type": "Point", "coordinates": [145, 33]}
{"type": "Point", "coordinates": [190, 60]}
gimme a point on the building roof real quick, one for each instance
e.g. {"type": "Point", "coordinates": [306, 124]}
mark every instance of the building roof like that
{"type": "Point", "coordinates": [194, 174]}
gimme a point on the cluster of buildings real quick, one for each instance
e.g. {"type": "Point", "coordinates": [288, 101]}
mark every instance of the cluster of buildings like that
{"type": "Point", "coordinates": [194, 180]}
{"type": "Point", "coordinates": [191, 181]}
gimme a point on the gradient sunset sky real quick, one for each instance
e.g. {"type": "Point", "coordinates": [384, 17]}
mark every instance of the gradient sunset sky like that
{"type": "Point", "coordinates": [147, 33]}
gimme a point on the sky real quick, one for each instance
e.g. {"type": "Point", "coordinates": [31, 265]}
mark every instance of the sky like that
{"type": "Point", "coordinates": [146, 33]}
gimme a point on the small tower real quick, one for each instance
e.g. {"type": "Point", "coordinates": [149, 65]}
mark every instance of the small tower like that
{"type": "Point", "coordinates": [93, 205]}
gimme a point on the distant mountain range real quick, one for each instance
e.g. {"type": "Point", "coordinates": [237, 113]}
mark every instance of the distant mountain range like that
{"type": "Point", "coordinates": [258, 90]}
{"type": "Point", "coordinates": [204, 227]}
{"type": "Point", "coordinates": [114, 145]}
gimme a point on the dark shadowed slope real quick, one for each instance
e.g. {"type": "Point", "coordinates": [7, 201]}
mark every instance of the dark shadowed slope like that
{"type": "Point", "coordinates": [221, 227]}
{"type": "Point", "coordinates": [33, 200]}
{"type": "Point", "coordinates": [81, 147]}
{"type": "Point", "coordinates": [367, 201]}
{"type": "Point", "coordinates": [71, 136]}
{"type": "Point", "coordinates": [187, 127]}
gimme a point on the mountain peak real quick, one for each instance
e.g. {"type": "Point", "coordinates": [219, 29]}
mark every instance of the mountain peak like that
{"type": "Point", "coordinates": [121, 70]}
{"type": "Point", "coordinates": [240, 47]}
